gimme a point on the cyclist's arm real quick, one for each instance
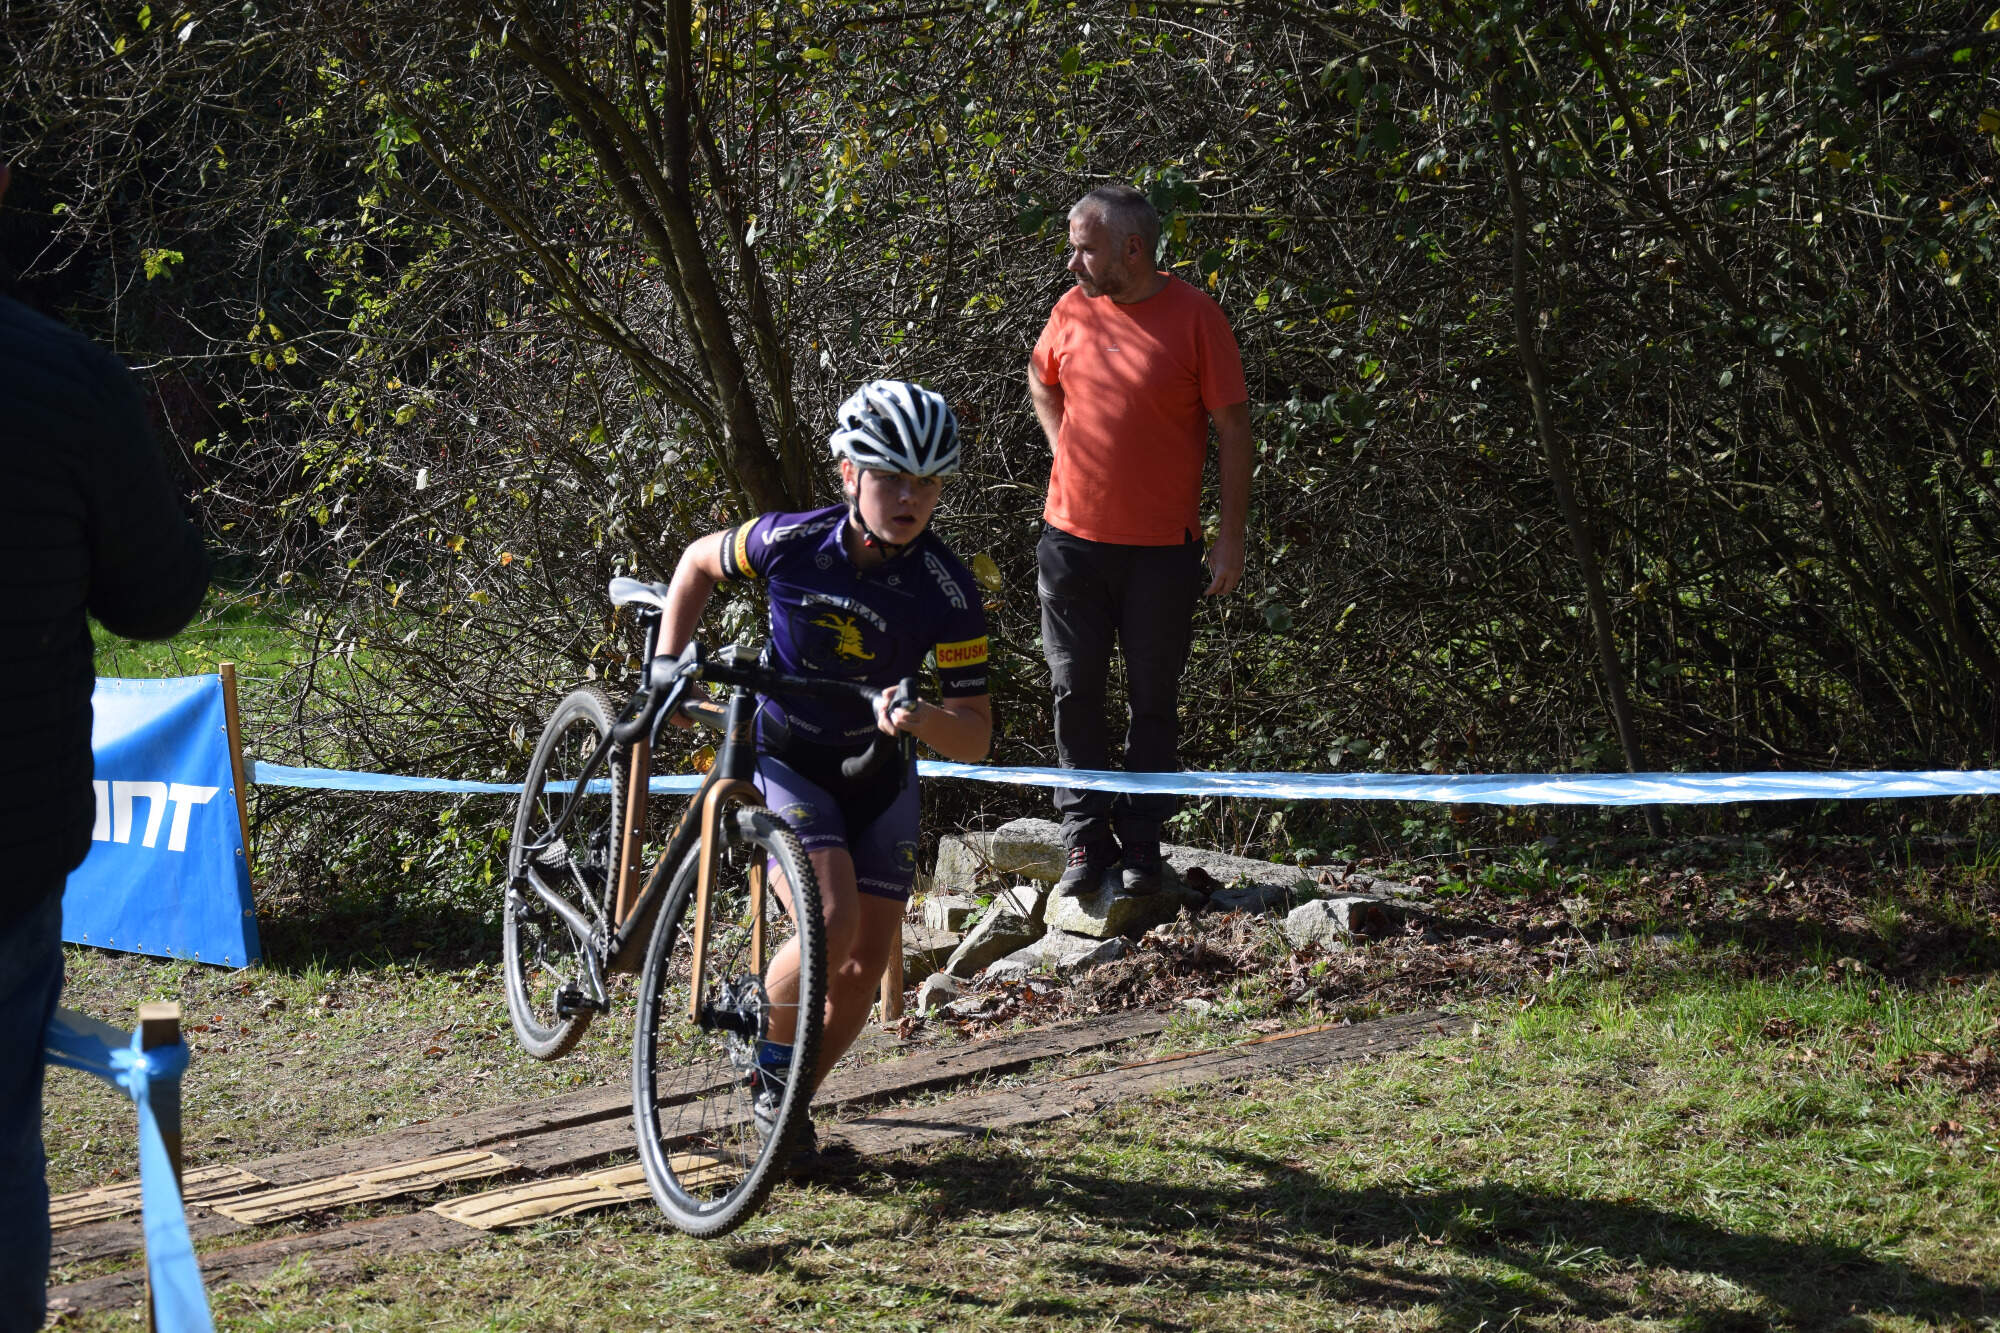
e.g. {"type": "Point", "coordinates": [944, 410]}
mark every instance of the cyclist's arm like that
{"type": "Point", "coordinates": [695, 579]}
{"type": "Point", "coordinates": [960, 729]}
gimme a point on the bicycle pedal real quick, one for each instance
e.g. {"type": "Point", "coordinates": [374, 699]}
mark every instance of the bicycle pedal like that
{"type": "Point", "coordinates": [571, 1001]}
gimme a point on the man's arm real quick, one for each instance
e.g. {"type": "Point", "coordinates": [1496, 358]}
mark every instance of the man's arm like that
{"type": "Point", "coordinates": [1225, 560]}
{"type": "Point", "coordinates": [148, 571]}
{"type": "Point", "coordinates": [1048, 405]}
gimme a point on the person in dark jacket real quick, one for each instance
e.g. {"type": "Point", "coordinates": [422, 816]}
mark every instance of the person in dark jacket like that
{"type": "Point", "coordinates": [89, 523]}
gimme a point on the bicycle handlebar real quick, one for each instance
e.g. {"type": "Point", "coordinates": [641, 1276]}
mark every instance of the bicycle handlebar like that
{"type": "Point", "coordinates": [667, 680]}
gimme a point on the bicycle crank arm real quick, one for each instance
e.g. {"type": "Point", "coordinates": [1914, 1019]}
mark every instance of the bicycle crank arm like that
{"type": "Point", "coordinates": [579, 926]}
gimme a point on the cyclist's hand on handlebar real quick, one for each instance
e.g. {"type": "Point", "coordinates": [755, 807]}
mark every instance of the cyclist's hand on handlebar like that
{"type": "Point", "coordinates": [895, 712]}
{"type": "Point", "coordinates": [695, 696]}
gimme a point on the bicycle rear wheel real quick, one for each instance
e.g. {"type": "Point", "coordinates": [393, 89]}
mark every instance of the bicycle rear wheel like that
{"type": "Point", "coordinates": [541, 956]}
{"type": "Point", "coordinates": [694, 1086]}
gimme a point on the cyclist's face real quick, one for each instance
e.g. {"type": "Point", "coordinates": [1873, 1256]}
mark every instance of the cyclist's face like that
{"type": "Point", "coordinates": [897, 505]}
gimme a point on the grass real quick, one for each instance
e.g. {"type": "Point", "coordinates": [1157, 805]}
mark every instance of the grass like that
{"type": "Point", "coordinates": [251, 631]}
{"type": "Point", "coordinates": [1671, 1147]}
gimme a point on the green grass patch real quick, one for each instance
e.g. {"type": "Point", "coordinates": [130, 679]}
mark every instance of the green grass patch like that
{"type": "Point", "coordinates": [253, 631]}
{"type": "Point", "coordinates": [1717, 1153]}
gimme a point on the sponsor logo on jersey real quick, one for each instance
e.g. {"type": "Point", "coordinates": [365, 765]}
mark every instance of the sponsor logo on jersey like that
{"type": "Point", "coordinates": [846, 636]}
{"type": "Point", "coordinates": [945, 582]}
{"type": "Point", "coordinates": [785, 532]}
{"type": "Point", "coordinates": [741, 553]}
{"type": "Point", "coordinates": [965, 653]}
{"type": "Point", "coordinates": [853, 608]}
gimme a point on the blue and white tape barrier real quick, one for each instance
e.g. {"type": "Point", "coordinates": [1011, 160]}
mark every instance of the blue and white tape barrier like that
{"type": "Point", "coordinates": [1451, 788]}
{"type": "Point", "coordinates": [74, 1040]}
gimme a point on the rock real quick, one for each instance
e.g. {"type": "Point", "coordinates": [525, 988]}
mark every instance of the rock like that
{"type": "Point", "coordinates": [1069, 954]}
{"type": "Point", "coordinates": [972, 1006]}
{"type": "Point", "coordinates": [1030, 847]}
{"type": "Point", "coordinates": [961, 865]}
{"type": "Point", "coordinates": [938, 990]}
{"type": "Point", "coordinates": [1030, 898]}
{"type": "Point", "coordinates": [1016, 966]}
{"type": "Point", "coordinates": [1108, 911]}
{"type": "Point", "coordinates": [1332, 922]}
{"type": "Point", "coordinates": [1234, 882]}
{"type": "Point", "coordinates": [925, 949]}
{"type": "Point", "coordinates": [1057, 952]}
{"type": "Point", "coordinates": [949, 911]}
{"type": "Point", "coordinates": [1001, 929]}
{"type": "Point", "coordinates": [1265, 897]}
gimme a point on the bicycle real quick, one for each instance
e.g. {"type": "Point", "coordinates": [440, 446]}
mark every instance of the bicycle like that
{"type": "Point", "coordinates": [698, 928]}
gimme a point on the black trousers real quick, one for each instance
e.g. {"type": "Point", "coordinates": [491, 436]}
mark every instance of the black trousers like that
{"type": "Point", "coordinates": [1140, 599]}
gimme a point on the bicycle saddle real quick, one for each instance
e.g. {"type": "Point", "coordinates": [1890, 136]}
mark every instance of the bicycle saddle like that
{"type": "Point", "coordinates": [625, 591]}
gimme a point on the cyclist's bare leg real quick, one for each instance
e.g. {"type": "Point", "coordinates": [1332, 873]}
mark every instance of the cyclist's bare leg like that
{"type": "Point", "coordinates": [860, 931]}
{"type": "Point", "coordinates": [835, 870]}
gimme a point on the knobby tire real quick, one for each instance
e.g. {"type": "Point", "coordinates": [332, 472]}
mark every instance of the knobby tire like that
{"type": "Point", "coordinates": [707, 1162]}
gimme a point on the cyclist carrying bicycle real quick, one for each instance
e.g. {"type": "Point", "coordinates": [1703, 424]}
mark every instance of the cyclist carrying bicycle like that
{"type": "Point", "coordinates": [864, 591]}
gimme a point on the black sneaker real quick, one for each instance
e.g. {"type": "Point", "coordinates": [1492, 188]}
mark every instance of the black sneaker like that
{"type": "Point", "coordinates": [1085, 870]}
{"type": "Point", "coordinates": [1139, 869]}
{"type": "Point", "coordinates": [809, 1158]}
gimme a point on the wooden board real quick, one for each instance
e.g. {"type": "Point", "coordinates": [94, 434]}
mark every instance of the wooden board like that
{"type": "Point", "coordinates": [904, 1128]}
{"type": "Point", "coordinates": [337, 1250]}
{"type": "Point", "coordinates": [108, 1201]}
{"type": "Point", "coordinates": [332, 1253]}
{"type": "Point", "coordinates": [518, 1205]}
{"type": "Point", "coordinates": [386, 1182]}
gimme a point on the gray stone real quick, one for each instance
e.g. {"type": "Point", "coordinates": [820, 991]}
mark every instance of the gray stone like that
{"type": "Point", "coordinates": [949, 911]}
{"type": "Point", "coordinates": [1034, 848]}
{"type": "Point", "coordinates": [1106, 911]}
{"type": "Point", "coordinates": [1332, 922]}
{"type": "Point", "coordinates": [1030, 898]}
{"type": "Point", "coordinates": [1057, 952]}
{"type": "Point", "coordinates": [1069, 954]}
{"type": "Point", "coordinates": [961, 864]}
{"type": "Point", "coordinates": [1000, 930]}
{"type": "Point", "coordinates": [925, 949]}
{"type": "Point", "coordinates": [1029, 847]}
{"type": "Point", "coordinates": [938, 990]}
{"type": "Point", "coordinates": [972, 1006]}
{"type": "Point", "coordinates": [1016, 966]}
{"type": "Point", "coordinates": [1265, 897]}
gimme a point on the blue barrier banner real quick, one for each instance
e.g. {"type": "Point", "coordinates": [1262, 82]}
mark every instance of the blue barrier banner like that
{"type": "Point", "coordinates": [167, 873]}
{"type": "Point", "coordinates": [1451, 788]}
{"type": "Point", "coordinates": [1504, 788]}
{"type": "Point", "coordinates": [77, 1041]}
{"type": "Point", "coordinates": [335, 779]}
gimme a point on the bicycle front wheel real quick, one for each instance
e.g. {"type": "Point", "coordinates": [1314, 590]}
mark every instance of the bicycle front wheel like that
{"type": "Point", "coordinates": [540, 955]}
{"type": "Point", "coordinates": [712, 1126]}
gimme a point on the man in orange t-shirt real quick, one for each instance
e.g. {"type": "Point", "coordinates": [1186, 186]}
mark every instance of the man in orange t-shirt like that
{"type": "Point", "coordinates": [1129, 374]}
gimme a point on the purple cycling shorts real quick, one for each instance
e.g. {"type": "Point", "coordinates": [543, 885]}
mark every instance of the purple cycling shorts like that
{"type": "Point", "coordinates": [878, 828]}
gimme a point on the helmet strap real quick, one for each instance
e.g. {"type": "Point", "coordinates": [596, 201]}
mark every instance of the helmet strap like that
{"type": "Point", "coordinates": [869, 537]}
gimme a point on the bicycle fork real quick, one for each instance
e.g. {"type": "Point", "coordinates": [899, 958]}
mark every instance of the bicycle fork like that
{"type": "Point", "coordinates": [714, 805]}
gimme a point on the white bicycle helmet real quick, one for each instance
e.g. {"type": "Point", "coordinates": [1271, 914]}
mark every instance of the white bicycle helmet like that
{"type": "Point", "coordinates": [897, 426]}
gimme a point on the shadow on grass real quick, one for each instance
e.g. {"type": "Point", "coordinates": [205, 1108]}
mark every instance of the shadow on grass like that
{"type": "Point", "coordinates": [363, 933]}
{"type": "Point", "coordinates": [1485, 1255]}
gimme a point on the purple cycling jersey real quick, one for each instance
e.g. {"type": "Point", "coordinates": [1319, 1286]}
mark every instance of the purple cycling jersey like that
{"type": "Point", "coordinates": [873, 626]}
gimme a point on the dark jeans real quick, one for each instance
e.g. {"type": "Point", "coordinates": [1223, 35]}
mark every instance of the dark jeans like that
{"type": "Point", "coordinates": [30, 980]}
{"type": "Point", "coordinates": [1141, 598]}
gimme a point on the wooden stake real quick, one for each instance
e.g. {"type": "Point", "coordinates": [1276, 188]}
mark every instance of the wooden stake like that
{"type": "Point", "coordinates": [234, 718]}
{"type": "Point", "coordinates": [160, 1025]}
{"type": "Point", "coordinates": [892, 981]}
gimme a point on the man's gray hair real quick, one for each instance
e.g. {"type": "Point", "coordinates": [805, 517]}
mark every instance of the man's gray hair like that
{"type": "Point", "coordinates": [1125, 211]}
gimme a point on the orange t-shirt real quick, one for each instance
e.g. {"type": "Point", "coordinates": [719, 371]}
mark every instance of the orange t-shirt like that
{"type": "Point", "coordinates": [1139, 383]}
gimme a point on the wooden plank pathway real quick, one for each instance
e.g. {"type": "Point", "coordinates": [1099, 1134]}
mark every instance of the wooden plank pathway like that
{"type": "Point", "coordinates": [555, 1150]}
